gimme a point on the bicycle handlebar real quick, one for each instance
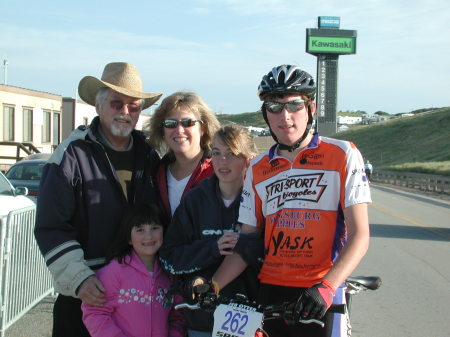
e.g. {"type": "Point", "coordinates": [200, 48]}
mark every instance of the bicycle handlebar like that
{"type": "Point", "coordinates": [194, 306]}
{"type": "Point", "coordinates": [285, 310]}
{"type": "Point", "coordinates": [278, 311]}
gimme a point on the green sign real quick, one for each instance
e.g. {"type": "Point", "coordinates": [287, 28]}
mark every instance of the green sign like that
{"type": "Point", "coordinates": [326, 44]}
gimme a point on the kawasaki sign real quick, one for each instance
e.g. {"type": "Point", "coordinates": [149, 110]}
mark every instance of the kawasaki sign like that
{"type": "Point", "coordinates": [328, 44]}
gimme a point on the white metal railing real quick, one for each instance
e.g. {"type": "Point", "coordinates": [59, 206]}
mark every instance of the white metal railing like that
{"type": "Point", "coordinates": [25, 279]}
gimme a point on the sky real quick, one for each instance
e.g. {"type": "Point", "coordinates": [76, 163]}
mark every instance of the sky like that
{"type": "Point", "coordinates": [222, 48]}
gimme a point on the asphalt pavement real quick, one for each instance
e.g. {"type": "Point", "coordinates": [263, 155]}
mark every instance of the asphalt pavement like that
{"type": "Point", "coordinates": [36, 323]}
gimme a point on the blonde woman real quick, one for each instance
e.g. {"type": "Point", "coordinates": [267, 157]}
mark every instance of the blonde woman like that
{"type": "Point", "coordinates": [203, 230]}
{"type": "Point", "coordinates": [181, 129]}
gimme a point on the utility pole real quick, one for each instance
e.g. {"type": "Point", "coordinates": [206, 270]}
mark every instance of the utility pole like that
{"type": "Point", "coordinates": [5, 65]}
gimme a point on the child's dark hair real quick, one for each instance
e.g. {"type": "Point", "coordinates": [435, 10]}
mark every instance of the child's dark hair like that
{"type": "Point", "coordinates": [135, 216]}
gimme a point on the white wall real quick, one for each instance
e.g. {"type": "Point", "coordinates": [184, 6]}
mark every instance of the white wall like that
{"type": "Point", "coordinates": [349, 120]}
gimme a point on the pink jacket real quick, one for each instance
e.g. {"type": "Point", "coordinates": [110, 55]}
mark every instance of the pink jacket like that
{"type": "Point", "coordinates": [136, 303]}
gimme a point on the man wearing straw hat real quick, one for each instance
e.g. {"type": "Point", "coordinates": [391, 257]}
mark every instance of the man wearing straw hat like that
{"type": "Point", "coordinates": [91, 178]}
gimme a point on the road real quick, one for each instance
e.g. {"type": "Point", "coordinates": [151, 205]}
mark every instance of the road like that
{"type": "Point", "coordinates": [36, 323]}
{"type": "Point", "coordinates": [410, 250]}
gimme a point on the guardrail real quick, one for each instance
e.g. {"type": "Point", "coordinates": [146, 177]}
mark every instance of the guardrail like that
{"type": "Point", "coordinates": [419, 181]}
{"type": "Point", "coordinates": [25, 279]}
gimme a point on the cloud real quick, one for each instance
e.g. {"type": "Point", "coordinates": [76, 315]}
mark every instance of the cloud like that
{"type": "Point", "coordinates": [221, 49]}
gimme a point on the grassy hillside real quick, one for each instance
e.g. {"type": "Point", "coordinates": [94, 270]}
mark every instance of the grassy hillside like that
{"type": "Point", "coordinates": [419, 143]}
{"type": "Point", "coordinates": [246, 119]}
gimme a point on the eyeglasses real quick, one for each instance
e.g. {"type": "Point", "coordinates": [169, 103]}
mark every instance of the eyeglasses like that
{"type": "Point", "coordinates": [118, 105]}
{"type": "Point", "coordinates": [185, 123]}
{"type": "Point", "coordinates": [292, 106]}
{"type": "Point", "coordinates": [228, 155]}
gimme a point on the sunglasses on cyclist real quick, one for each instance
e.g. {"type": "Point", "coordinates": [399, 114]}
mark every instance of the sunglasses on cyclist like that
{"type": "Point", "coordinates": [292, 106]}
{"type": "Point", "coordinates": [118, 105]}
{"type": "Point", "coordinates": [185, 123]}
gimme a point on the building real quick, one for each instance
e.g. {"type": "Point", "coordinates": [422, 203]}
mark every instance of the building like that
{"type": "Point", "coordinates": [256, 131]}
{"type": "Point", "coordinates": [349, 120]}
{"type": "Point", "coordinates": [36, 121]}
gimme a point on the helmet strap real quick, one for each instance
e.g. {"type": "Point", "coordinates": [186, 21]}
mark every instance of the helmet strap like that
{"type": "Point", "coordinates": [297, 144]}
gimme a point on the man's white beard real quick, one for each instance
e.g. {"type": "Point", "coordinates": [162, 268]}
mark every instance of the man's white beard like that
{"type": "Point", "coordinates": [124, 131]}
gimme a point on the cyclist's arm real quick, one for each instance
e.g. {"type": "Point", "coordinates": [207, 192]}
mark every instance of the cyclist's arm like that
{"type": "Point", "coordinates": [233, 265]}
{"type": "Point", "coordinates": [357, 222]}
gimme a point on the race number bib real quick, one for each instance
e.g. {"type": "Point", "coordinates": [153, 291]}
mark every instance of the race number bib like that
{"type": "Point", "coordinates": [236, 320]}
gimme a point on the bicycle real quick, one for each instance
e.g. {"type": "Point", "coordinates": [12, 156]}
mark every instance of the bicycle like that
{"type": "Point", "coordinates": [240, 317]}
{"type": "Point", "coordinates": [354, 285]}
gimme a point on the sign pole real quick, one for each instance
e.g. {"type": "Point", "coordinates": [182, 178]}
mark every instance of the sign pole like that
{"type": "Point", "coordinates": [327, 43]}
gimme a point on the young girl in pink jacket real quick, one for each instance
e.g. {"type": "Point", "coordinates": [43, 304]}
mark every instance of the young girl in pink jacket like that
{"type": "Point", "coordinates": [135, 285]}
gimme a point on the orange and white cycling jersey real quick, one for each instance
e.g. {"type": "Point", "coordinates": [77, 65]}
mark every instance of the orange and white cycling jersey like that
{"type": "Point", "coordinates": [300, 206]}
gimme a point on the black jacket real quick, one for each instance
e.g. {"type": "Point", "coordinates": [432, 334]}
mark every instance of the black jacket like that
{"type": "Point", "coordinates": [190, 244]}
{"type": "Point", "coordinates": [81, 204]}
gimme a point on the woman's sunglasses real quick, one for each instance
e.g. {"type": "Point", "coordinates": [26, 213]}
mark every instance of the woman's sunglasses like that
{"type": "Point", "coordinates": [292, 106]}
{"type": "Point", "coordinates": [186, 123]}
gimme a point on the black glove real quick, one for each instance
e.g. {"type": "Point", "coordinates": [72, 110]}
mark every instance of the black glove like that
{"type": "Point", "coordinates": [200, 286]}
{"type": "Point", "coordinates": [314, 302]}
{"type": "Point", "coordinates": [208, 301]}
{"type": "Point", "coordinates": [204, 292]}
{"type": "Point", "coordinates": [193, 288]}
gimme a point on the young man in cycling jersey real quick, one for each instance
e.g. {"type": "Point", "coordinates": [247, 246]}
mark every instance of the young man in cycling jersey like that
{"type": "Point", "coordinates": [308, 197]}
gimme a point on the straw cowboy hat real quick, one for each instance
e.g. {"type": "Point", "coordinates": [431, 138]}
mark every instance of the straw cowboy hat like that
{"type": "Point", "coordinates": [119, 76]}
